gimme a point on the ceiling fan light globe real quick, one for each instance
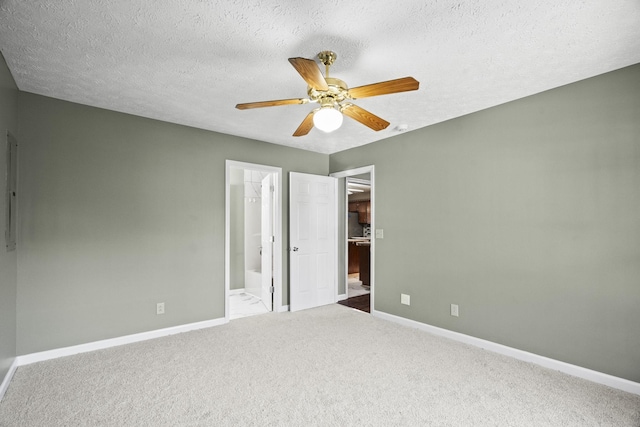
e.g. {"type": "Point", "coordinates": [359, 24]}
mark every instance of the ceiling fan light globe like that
{"type": "Point", "coordinates": [327, 119]}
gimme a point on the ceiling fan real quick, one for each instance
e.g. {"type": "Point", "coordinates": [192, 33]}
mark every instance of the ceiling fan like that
{"type": "Point", "coordinates": [334, 95]}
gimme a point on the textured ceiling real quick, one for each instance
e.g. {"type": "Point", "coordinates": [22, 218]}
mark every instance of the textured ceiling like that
{"type": "Point", "coordinates": [190, 62]}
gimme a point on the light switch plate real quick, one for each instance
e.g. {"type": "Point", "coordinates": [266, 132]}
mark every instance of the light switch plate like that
{"type": "Point", "coordinates": [405, 299]}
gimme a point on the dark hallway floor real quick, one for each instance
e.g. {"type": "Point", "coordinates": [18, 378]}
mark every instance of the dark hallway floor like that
{"type": "Point", "coordinates": [361, 302]}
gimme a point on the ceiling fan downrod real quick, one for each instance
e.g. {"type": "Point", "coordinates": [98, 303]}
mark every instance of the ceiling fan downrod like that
{"type": "Point", "coordinates": [327, 57]}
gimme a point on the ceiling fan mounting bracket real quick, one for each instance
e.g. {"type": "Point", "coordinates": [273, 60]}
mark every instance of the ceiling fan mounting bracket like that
{"type": "Point", "coordinates": [327, 57]}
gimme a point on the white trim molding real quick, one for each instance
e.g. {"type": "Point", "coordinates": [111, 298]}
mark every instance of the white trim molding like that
{"type": "Point", "coordinates": [283, 308]}
{"type": "Point", "coordinates": [7, 378]}
{"type": "Point", "coordinates": [567, 368]}
{"type": "Point", "coordinates": [114, 342]}
{"type": "Point", "coordinates": [371, 170]}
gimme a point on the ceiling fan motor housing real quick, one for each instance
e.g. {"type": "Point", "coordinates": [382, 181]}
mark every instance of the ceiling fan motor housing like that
{"type": "Point", "coordinates": [338, 91]}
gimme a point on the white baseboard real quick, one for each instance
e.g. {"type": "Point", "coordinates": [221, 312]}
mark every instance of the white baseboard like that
{"type": "Point", "coordinates": [236, 291]}
{"type": "Point", "coordinates": [7, 378]}
{"type": "Point", "coordinates": [342, 297]}
{"type": "Point", "coordinates": [567, 368]}
{"type": "Point", "coordinates": [113, 342]}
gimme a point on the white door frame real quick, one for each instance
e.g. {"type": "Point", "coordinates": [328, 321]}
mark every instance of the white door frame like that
{"type": "Point", "coordinates": [372, 275]}
{"type": "Point", "coordinates": [266, 244]}
{"type": "Point", "coordinates": [277, 231]}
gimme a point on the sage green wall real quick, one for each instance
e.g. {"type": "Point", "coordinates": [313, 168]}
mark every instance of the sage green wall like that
{"type": "Point", "coordinates": [8, 260]}
{"type": "Point", "coordinates": [528, 218]}
{"type": "Point", "coordinates": [120, 212]}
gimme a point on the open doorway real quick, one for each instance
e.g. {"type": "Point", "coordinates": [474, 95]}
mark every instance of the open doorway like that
{"type": "Point", "coordinates": [358, 232]}
{"type": "Point", "coordinates": [356, 270]}
{"type": "Point", "coordinates": [253, 247]}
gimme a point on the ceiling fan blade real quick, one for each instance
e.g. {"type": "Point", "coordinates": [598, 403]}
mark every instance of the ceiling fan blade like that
{"type": "Point", "coordinates": [274, 103]}
{"type": "Point", "coordinates": [310, 72]}
{"type": "Point", "coordinates": [363, 116]}
{"type": "Point", "coordinates": [404, 84]}
{"type": "Point", "coordinates": [306, 125]}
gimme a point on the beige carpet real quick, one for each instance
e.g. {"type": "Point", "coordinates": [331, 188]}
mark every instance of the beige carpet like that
{"type": "Point", "coordinates": [330, 366]}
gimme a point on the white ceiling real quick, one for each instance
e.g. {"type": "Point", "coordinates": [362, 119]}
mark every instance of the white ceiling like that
{"type": "Point", "coordinates": [190, 62]}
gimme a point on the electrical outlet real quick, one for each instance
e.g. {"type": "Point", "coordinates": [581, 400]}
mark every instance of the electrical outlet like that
{"type": "Point", "coordinates": [405, 299]}
{"type": "Point", "coordinates": [454, 310]}
{"type": "Point", "coordinates": [379, 233]}
{"type": "Point", "coordinates": [160, 308]}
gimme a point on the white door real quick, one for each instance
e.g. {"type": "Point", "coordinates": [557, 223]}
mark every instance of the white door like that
{"type": "Point", "coordinates": [266, 230]}
{"type": "Point", "coordinates": [312, 236]}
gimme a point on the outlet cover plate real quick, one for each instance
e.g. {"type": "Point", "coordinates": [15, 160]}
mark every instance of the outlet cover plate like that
{"type": "Point", "coordinates": [454, 310]}
{"type": "Point", "coordinates": [160, 308]}
{"type": "Point", "coordinates": [405, 299]}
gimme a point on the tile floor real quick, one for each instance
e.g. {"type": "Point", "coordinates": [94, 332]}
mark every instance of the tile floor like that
{"type": "Point", "coordinates": [355, 287]}
{"type": "Point", "coordinates": [244, 305]}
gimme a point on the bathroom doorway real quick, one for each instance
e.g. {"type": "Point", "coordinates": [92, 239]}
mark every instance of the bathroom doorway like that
{"type": "Point", "coordinates": [253, 240]}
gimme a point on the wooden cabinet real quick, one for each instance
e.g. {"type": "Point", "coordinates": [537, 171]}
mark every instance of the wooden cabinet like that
{"type": "Point", "coordinates": [359, 260]}
{"type": "Point", "coordinates": [364, 210]}
{"type": "Point", "coordinates": [364, 253]}
{"type": "Point", "coordinates": [354, 258]}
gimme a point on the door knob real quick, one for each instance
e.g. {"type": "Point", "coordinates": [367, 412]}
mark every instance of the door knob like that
{"type": "Point", "coordinates": [294, 249]}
